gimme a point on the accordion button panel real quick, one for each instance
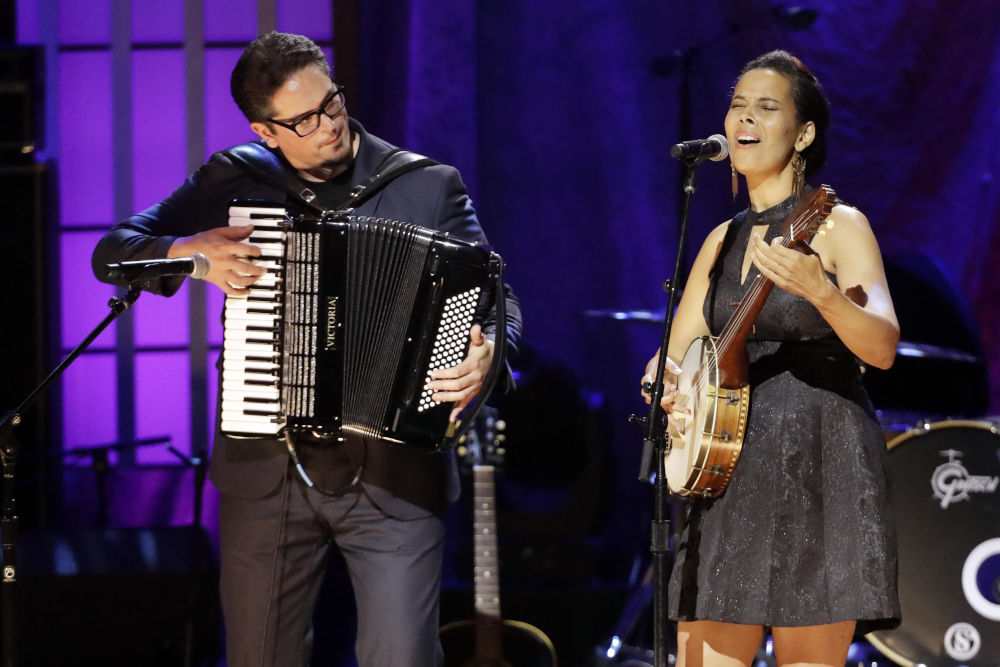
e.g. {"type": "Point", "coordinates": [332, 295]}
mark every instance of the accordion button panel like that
{"type": "Point", "coordinates": [451, 340]}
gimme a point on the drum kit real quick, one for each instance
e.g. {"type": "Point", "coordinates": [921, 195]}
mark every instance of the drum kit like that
{"type": "Point", "coordinates": [946, 488]}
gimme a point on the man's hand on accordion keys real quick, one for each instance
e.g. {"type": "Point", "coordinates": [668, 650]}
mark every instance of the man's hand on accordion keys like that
{"type": "Point", "coordinates": [461, 383]}
{"type": "Point", "coordinates": [231, 260]}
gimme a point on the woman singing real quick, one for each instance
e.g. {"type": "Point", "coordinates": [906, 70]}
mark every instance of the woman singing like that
{"type": "Point", "coordinates": [803, 540]}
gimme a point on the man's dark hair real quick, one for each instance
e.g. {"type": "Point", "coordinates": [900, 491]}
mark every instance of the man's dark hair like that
{"type": "Point", "coordinates": [265, 65]}
{"type": "Point", "coordinates": [810, 101]}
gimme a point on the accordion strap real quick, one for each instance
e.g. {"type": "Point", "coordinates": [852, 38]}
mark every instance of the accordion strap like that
{"type": "Point", "coordinates": [265, 166]}
{"type": "Point", "coordinates": [393, 165]}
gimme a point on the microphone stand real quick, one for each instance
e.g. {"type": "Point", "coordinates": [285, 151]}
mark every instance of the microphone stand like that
{"type": "Point", "coordinates": [8, 455]}
{"type": "Point", "coordinates": [656, 443]}
{"type": "Point", "coordinates": [200, 466]}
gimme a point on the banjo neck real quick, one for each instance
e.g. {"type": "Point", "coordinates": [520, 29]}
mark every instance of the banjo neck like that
{"type": "Point", "coordinates": [797, 229]}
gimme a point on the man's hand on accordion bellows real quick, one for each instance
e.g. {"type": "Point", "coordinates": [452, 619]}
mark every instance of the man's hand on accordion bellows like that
{"type": "Point", "coordinates": [230, 261]}
{"type": "Point", "coordinates": [461, 383]}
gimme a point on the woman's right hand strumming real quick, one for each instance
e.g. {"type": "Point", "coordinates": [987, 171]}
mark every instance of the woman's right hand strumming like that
{"type": "Point", "coordinates": [672, 402]}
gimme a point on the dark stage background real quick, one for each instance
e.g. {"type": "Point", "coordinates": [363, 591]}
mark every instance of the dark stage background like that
{"type": "Point", "coordinates": [560, 116]}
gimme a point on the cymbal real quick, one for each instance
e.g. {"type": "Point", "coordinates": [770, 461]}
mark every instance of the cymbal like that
{"type": "Point", "coordinates": [928, 351]}
{"type": "Point", "coordinates": [647, 316]}
{"type": "Point", "coordinates": [903, 349]}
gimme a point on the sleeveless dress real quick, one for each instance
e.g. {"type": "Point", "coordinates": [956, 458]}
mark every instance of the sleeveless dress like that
{"type": "Point", "coordinates": [805, 533]}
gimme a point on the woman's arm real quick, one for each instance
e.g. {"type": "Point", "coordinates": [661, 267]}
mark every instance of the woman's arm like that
{"type": "Point", "coordinates": [689, 321]}
{"type": "Point", "coordinates": [860, 311]}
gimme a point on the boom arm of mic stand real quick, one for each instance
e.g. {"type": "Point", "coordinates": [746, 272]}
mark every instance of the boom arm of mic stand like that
{"type": "Point", "coordinates": [656, 446]}
{"type": "Point", "coordinates": [8, 457]}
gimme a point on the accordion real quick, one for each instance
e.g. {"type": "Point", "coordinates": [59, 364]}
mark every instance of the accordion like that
{"type": "Point", "coordinates": [342, 332]}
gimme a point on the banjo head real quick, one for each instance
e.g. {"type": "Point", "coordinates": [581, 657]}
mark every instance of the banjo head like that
{"type": "Point", "coordinates": [682, 460]}
{"type": "Point", "coordinates": [700, 461]}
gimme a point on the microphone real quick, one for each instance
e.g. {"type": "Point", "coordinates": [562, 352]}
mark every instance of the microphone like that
{"type": "Point", "coordinates": [714, 148]}
{"type": "Point", "coordinates": [196, 266]}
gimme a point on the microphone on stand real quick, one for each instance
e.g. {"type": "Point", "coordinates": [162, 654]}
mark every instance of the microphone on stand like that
{"type": "Point", "coordinates": [714, 148]}
{"type": "Point", "coordinates": [196, 266]}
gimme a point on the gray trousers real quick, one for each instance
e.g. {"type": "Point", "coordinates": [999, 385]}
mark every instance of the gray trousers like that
{"type": "Point", "coordinates": [274, 554]}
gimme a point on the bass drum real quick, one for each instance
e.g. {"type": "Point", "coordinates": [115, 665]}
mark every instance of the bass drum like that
{"type": "Point", "coordinates": [945, 480]}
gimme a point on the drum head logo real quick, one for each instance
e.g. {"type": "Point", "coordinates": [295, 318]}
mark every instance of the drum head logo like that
{"type": "Point", "coordinates": [951, 482]}
{"type": "Point", "coordinates": [981, 579]}
{"type": "Point", "coordinates": [962, 641]}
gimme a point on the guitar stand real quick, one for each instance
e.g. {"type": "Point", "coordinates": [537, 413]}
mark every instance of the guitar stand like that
{"type": "Point", "coordinates": [8, 457]}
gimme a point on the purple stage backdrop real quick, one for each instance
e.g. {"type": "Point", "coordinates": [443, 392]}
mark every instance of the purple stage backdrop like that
{"type": "Point", "coordinates": [560, 116]}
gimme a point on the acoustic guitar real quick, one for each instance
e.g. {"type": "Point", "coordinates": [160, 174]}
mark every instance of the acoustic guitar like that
{"type": "Point", "coordinates": [700, 462]}
{"type": "Point", "coordinates": [488, 640]}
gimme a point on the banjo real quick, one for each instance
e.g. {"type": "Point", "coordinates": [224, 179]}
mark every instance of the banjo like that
{"type": "Point", "coordinates": [715, 377]}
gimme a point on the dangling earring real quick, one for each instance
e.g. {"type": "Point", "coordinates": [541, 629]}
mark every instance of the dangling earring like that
{"type": "Point", "coordinates": [735, 181]}
{"type": "Point", "coordinates": [798, 174]}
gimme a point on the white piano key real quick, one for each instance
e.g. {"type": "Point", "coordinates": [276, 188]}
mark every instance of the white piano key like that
{"type": "Point", "coordinates": [237, 385]}
{"type": "Point", "coordinates": [259, 318]}
{"type": "Point", "coordinates": [252, 336]}
{"type": "Point", "coordinates": [251, 210]}
{"type": "Point", "coordinates": [244, 305]}
{"type": "Point", "coordinates": [266, 281]}
{"type": "Point", "coordinates": [249, 364]}
{"type": "Point", "coordinates": [247, 376]}
{"type": "Point", "coordinates": [236, 423]}
{"type": "Point", "coordinates": [264, 294]}
{"type": "Point", "coordinates": [266, 233]}
{"type": "Point", "coordinates": [252, 313]}
{"type": "Point", "coordinates": [266, 263]}
{"type": "Point", "coordinates": [254, 349]}
{"type": "Point", "coordinates": [238, 415]}
{"type": "Point", "coordinates": [271, 407]}
{"type": "Point", "coordinates": [239, 324]}
{"type": "Point", "coordinates": [241, 393]}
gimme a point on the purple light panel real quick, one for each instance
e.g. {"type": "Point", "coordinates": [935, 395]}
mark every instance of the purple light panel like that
{"type": "Point", "coordinates": [230, 21]}
{"type": "Point", "coordinates": [306, 17]}
{"type": "Point", "coordinates": [84, 21]}
{"type": "Point", "coordinates": [162, 321]}
{"type": "Point", "coordinates": [27, 21]}
{"type": "Point", "coordinates": [162, 389]}
{"type": "Point", "coordinates": [158, 125]}
{"type": "Point", "coordinates": [225, 125]}
{"type": "Point", "coordinates": [85, 130]}
{"type": "Point", "coordinates": [83, 299]}
{"type": "Point", "coordinates": [157, 21]}
{"type": "Point", "coordinates": [90, 399]}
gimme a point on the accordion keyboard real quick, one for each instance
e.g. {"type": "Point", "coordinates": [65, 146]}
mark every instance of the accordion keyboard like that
{"type": "Point", "coordinates": [251, 371]}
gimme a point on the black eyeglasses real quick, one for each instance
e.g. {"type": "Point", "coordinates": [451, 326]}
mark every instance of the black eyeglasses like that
{"type": "Point", "coordinates": [309, 123]}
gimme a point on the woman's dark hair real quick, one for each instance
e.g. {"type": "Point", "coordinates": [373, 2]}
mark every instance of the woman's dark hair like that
{"type": "Point", "coordinates": [810, 101]}
{"type": "Point", "coordinates": [265, 65]}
